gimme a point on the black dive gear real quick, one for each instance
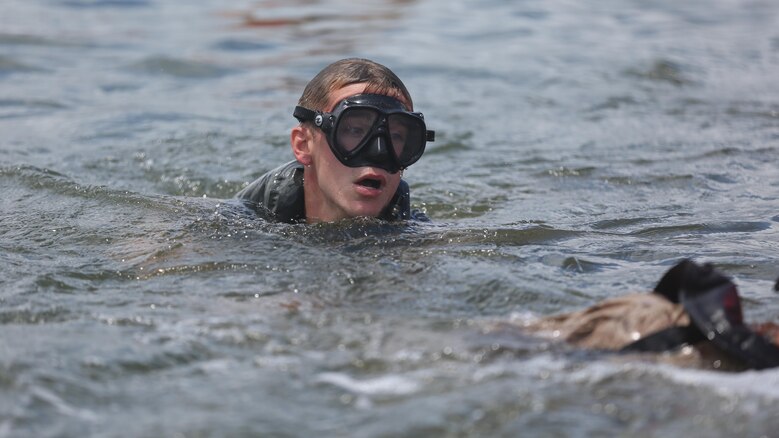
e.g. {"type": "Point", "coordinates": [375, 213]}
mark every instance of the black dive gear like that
{"type": "Point", "coordinates": [711, 300]}
{"type": "Point", "coordinates": [279, 196]}
{"type": "Point", "coordinates": [372, 130]}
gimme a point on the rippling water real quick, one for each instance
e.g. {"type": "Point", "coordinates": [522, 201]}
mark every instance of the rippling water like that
{"type": "Point", "coordinates": [582, 150]}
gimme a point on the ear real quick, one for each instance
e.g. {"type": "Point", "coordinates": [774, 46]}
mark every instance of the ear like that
{"type": "Point", "coordinates": [300, 140]}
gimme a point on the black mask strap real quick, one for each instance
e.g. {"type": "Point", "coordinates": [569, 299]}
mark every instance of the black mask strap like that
{"type": "Point", "coordinates": [304, 114]}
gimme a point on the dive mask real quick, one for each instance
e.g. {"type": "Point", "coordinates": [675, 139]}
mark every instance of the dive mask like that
{"type": "Point", "coordinates": [371, 130]}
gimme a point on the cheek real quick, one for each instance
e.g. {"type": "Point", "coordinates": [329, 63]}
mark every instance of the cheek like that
{"type": "Point", "coordinates": [393, 182]}
{"type": "Point", "coordinates": [321, 151]}
{"type": "Point", "coordinates": [329, 169]}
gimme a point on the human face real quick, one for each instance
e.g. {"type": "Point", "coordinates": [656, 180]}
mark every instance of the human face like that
{"type": "Point", "coordinates": [334, 191]}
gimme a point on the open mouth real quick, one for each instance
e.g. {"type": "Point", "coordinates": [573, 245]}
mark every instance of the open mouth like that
{"type": "Point", "coordinates": [373, 183]}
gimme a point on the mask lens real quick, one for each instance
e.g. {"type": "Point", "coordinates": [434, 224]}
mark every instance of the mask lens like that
{"type": "Point", "coordinates": [408, 136]}
{"type": "Point", "coordinates": [354, 125]}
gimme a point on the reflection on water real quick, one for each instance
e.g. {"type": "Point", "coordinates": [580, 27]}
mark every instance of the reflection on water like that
{"type": "Point", "coordinates": [582, 150]}
{"type": "Point", "coordinates": [315, 29]}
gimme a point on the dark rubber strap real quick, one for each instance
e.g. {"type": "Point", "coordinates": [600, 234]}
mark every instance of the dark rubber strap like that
{"type": "Point", "coordinates": [665, 340]}
{"type": "Point", "coordinates": [304, 114]}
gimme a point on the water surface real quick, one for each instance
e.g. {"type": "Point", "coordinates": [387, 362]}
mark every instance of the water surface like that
{"type": "Point", "coordinates": [582, 149]}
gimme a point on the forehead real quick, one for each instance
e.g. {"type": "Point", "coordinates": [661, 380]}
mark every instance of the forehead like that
{"type": "Point", "coordinates": [352, 89]}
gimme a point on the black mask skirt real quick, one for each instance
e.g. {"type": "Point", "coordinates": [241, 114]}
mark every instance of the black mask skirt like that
{"type": "Point", "coordinates": [372, 130]}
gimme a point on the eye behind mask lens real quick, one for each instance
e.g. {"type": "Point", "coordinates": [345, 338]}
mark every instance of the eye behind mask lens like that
{"type": "Point", "coordinates": [354, 127]}
{"type": "Point", "coordinates": [408, 136]}
{"type": "Point", "coordinates": [358, 126]}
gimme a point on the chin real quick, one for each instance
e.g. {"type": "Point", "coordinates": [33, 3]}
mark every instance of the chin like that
{"type": "Point", "coordinates": [367, 210]}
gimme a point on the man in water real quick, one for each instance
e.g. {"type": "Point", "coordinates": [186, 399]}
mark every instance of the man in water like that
{"type": "Point", "coordinates": [357, 134]}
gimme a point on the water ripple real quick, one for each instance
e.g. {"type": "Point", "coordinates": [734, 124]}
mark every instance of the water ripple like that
{"type": "Point", "coordinates": [663, 70]}
{"type": "Point", "coordinates": [27, 315]}
{"type": "Point", "coordinates": [47, 179]}
{"type": "Point", "coordinates": [85, 4]}
{"type": "Point", "coordinates": [244, 45]}
{"type": "Point", "coordinates": [704, 228]}
{"type": "Point", "coordinates": [10, 65]}
{"type": "Point", "coordinates": [17, 108]}
{"type": "Point", "coordinates": [31, 40]}
{"type": "Point", "coordinates": [180, 68]}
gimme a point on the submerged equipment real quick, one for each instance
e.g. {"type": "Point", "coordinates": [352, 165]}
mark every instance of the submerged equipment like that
{"type": "Point", "coordinates": [372, 130]}
{"type": "Point", "coordinates": [712, 302]}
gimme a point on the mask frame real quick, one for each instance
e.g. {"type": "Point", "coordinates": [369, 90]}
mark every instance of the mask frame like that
{"type": "Point", "coordinates": [383, 121]}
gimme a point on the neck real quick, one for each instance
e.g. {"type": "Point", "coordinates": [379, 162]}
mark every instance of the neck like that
{"type": "Point", "coordinates": [318, 209]}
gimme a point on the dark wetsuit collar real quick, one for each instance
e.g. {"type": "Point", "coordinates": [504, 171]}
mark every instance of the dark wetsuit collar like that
{"type": "Point", "coordinates": [278, 195]}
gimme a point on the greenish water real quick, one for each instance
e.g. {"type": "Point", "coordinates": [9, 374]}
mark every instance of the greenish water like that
{"type": "Point", "coordinates": [582, 149]}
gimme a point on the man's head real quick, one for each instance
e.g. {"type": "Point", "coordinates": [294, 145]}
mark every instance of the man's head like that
{"type": "Point", "coordinates": [365, 187]}
{"type": "Point", "coordinates": [377, 78]}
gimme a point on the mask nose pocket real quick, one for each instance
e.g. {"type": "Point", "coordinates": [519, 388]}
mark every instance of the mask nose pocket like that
{"type": "Point", "coordinates": [377, 150]}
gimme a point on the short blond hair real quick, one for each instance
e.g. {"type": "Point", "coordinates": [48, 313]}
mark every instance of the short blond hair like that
{"type": "Point", "coordinates": [380, 80]}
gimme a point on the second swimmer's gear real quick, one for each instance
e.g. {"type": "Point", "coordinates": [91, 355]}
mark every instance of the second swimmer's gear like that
{"type": "Point", "coordinates": [711, 300]}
